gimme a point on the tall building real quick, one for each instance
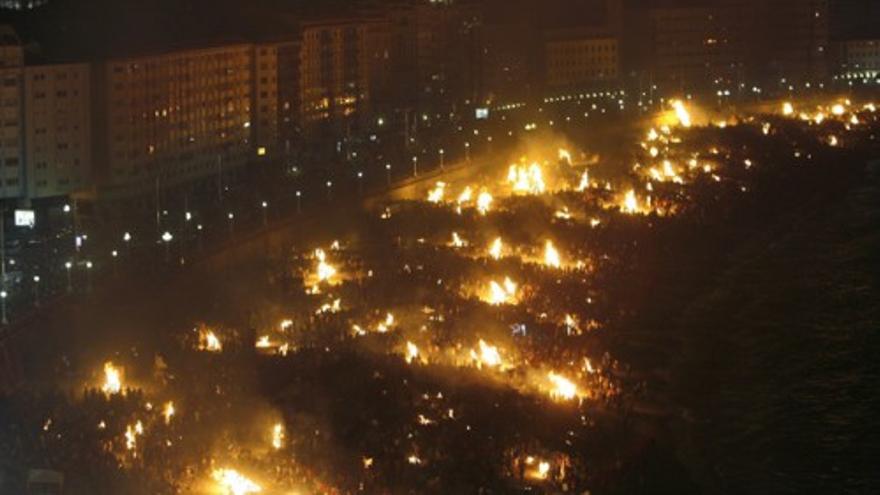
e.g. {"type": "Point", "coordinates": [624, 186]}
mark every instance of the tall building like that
{"type": "Point", "coordinates": [333, 80]}
{"type": "Point", "coordinates": [265, 98]}
{"type": "Point", "coordinates": [172, 117]}
{"type": "Point", "coordinates": [57, 130]}
{"type": "Point", "coordinates": [22, 4]}
{"type": "Point", "coordinates": [11, 112]}
{"type": "Point", "coordinates": [576, 58]}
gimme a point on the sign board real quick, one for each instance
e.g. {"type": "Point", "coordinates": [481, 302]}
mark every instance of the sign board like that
{"type": "Point", "coordinates": [25, 218]}
{"type": "Point", "coordinates": [482, 113]}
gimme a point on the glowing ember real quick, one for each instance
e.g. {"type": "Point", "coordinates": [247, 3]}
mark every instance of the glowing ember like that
{"type": "Point", "coordinates": [495, 249]}
{"type": "Point", "coordinates": [838, 109]}
{"type": "Point", "coordinates": [832, 141]}
{"type": "Point", "coordinates": [234, 483]}
{"type": "Point", "coordinates": [168, 412]}
{"type": "Point", "coordinates": [551, 255]}
{"type": "Point", "coordinates": [285, 324]}
{"type": "Point", "coordinates": [436, 195]}
{"type": "Point", "coordinates": [787, 109]}
{"type": "Point", "coordinates": [484, 202]}
{"type": "Point", "coordinates": [277, 436]}
{"type": "Point", "coordinates": [263, 342]}
{"type": "Point", "coordinates": [112, 379]}
{"type": "Point", "coordinates": [652, 135]}
{"type": "Point", "coordinates": [684, 117]}
{"type": "Point", "coordinates": [526, 179]}
{"type": "Point", "coordinates": [563, 388]}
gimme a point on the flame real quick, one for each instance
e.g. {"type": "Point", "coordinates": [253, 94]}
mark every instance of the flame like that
{"type": "Point", "coordinates": [630, 203]}
{"type": "Point", "coordinates": [208, 341]}
{"type": "Point", "coordinates": [168, 412]}
{"type": "Point", "coordinates": [652, 135]}
{"type": "Point", "coordinates": [234, 483]}
{"type": "Point", "coordinates": [563, 388]}
{"type": "Point", "coordinates": [436, 195]}
{"type": "Point", "coordinates": [488, 355]}
{"type": "Point", "coordinates": [551, 255]}
{"type": "Point", "coordinates": [386, 325]}
{"type": "Point", "coordinates": [565, 156]}
{"type": "Point", "coordinates": [324, 270]}
{"type": "Point", "coordinates": [528, 180]}
{"type": "Point", "coordinates": [787, 109]}
{"type": "Point", "coordinates": [503, 293]}
{"type": "Point", "coordinates": [277, 436]}
{"type": "Point", "coordinates": [681, 112]}
{"type": "Point", "coordinates": [495, 249]}
{"type": "Point", "coordinates": [112, 379]}
{"type": "Point", "coordinates": [832, 140]}
{"type": "Point", "coordinates": [131, 434]}
{"type": "Point", "coordinates": [457, 242]}
{"type": "Point", "coordinates": [465, 195]}
{"type": "Point", "coordinates": [563, 214]}
{"type": "Point", "coordinates": [285, 324]}
{"type": "Point", "coordinates": [585, 182]}
{"type": "Point", "coordinates": [412, 352]}
{"type": "Point", "coordinates": [484, 201]}
{"type": "Point", "coordinates": [838, 109]}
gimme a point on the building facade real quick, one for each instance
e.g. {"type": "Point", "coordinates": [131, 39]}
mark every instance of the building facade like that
{"type": "Point", "coordinates": [172, 117]}
{"type": "Point", "coordinates": [577, 58]}
{"type": "Point", "coordinates": [57, 130]}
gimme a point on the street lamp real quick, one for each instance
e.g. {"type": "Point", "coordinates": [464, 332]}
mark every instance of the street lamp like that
{"type": "Point", "coordinates": [68, 265]}
{"type": "Point", "coordinates": [167, 238]}
{"type": "Point", "coordinates": [115, 255]}
{"type": "Point", "coordinates": [415, 161]}
{"type": "Point", "coordinates": [329, 186]}
{"type": "Point", "coordinates": [3, 296]}
{"type": "Point", "coordinates": [89, 276]}
{"type": "Point", "coordinates": [467, 150]}
{"type": "Point", "coordinates": [231, 217]}
{"type": "Point", "coordinates": [265, 207]}
{"type": "Point", "coordinates": [199, 230]}
{"type": "Point", "coordinates": [441, 158]}
{"type": "Point", "coordinates": [388, 174]}
{"type": "Point", "coordinates": [360, 176]}
{"type": "Point", "coordinates": [299, 201]}
{"type": "Point", "coordinates": [36, 290]}
{"type": "Point", "coordinates": [127, 239]}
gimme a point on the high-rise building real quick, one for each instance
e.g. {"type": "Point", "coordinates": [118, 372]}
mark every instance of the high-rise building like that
{"type": "Point", "coordinates": [172, 117]}
{"type": "Point", "coordinates": [57, 130]}
{"type": "Point", "coordinates": [576, 58]}
{"type": "Point", "coordinates": [11, 145]}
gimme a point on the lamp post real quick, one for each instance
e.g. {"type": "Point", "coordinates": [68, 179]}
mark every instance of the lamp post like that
{"type": "Point", "coordinates": [388, 174]}
{"type": "Point", "coordinates": [3, 296]}
{"type": "Point", "coordinates": [360, 177]}
{"type": "Point", "coordinates": [89, 276]}
{"type": "Point", "coordinates": [199, 231]}
{"type": "Point", "coordinates": [37, 290]}
{"type": "Point", "coordinates": [329, 186]}
{"type": "Point", "coordinates": [265, 206]}
{"type": "Point", "coordinates": [126, 238]}
{"type": "Point", "coordinates": [167, 238]}
{"type": "Point", "coordinates": [467, 150]}
{"type": "Point", "coordinates": [231, 217]}
{"type": "Point", "coordinates": [299, 202]}
{"type": "Point", "coordinates": [415, 160]}
{"type": "Point", "coordinates": [441, 158]}
{"type": "Point", "coordinates": [67, 266]}
{"type": "Point", "coordinates": [115, 255]}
